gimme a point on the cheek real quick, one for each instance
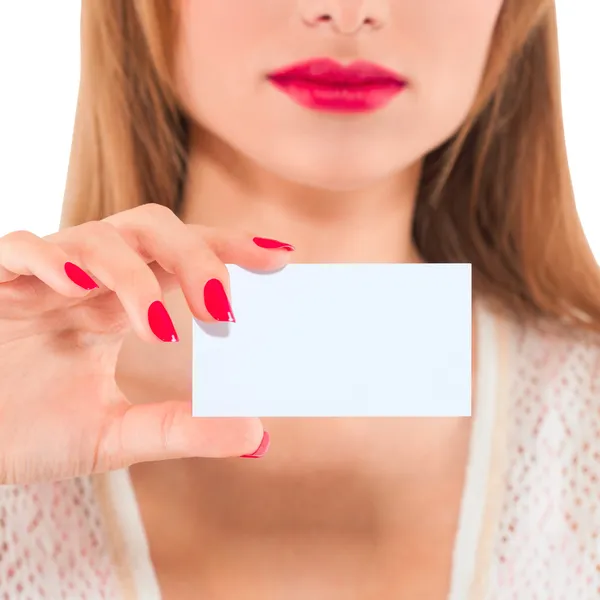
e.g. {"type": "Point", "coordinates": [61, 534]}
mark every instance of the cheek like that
{"type": "Point", "coordinates": [453, 47]}
{"type": "Point", "coordinates": [216, 45]}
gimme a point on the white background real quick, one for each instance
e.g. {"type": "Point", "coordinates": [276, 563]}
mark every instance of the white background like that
{"type": "Point", "coordinates": [39, 69]}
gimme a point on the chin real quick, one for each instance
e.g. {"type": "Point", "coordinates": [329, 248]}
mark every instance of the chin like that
{"type": "Point", "coordinates": [336, 172]}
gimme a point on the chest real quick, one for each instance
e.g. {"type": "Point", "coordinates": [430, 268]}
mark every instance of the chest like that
{"type": "Point", "coordinates": [315, 574]}
{"type": "Point", "coordinates": [311, 525]}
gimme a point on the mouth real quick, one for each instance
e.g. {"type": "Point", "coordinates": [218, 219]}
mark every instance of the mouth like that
{"type": "Point", "coordinates": [325, 85]}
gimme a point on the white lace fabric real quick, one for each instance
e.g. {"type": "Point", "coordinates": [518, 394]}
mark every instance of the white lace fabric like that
{"type": "Point", "coordinates": [81, 539]}
{"type": "Point", "coordinates": [53, 543]}
{"type": "Point", "coordinates": [547, 543]}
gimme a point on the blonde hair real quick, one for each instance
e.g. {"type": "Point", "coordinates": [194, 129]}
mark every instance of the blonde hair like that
{"type": "Point", "coordinates": [497, 195]}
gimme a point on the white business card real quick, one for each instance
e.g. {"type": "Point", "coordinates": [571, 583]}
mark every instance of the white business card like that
{"type": "Point", "coordinates": [337, 340]}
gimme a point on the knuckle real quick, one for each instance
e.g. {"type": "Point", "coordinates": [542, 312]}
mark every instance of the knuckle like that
{"type": "Point", "coordinates": [167, 423]}
{"type": "Point", "coordinates": [197, 256]}
{"type": "Point", "coordinates": [213, 238]}
{"type": "Point", "coordinates": [20, 297]}
{"type": "Point", "coordinates": [93, 235]}
{"type": "Point", "coordinates": [105, 446]}
{"type": "Point", "coordinates": [138, 278]}
{"type": "Point", "coordinates": [17, 238]}
{"type": "Point", "coordinates": [95, 229]}
{"type": "Point", "coordinates": [189, 251]}
{"type": "Point", "coordinates": [218, 271]}
{"type": "Point", "coordinates": [56, 253]}
{"type": "Point", "coordinates": [192, 248]}
{"type": "Point", "coordinates": [158, 211]}
{"type": "Point", "coordinates": [25, 291]}
{"type": "Point", "coordinates": [229, 245]}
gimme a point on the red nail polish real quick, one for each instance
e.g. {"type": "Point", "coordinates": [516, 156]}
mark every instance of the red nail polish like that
{"type": "Point", "coordinates": [272, 244]}
{"type": "Point", "coordinates": [160, 323]}
{"type": "Point", "coordinates": [262, 449]}
{"type": "Point", "coordinates": [216, 301]}
{"type": "Point", "coordinates": [78, 276]}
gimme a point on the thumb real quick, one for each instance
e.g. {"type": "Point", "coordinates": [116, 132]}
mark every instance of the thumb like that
{"type": "Point", "coordinates": [167, 430]}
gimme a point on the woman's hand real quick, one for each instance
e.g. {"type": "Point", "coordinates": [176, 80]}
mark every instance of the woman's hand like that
{"type": "Point", "coordinates": [61, 412]}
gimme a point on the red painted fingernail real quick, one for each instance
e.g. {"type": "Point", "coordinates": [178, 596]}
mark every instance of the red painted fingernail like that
{"type": "Point", "coordinates": [272, 244]}
{"type": "Point", "coordinates": [160, 323]}
{"type": "Point", "coordinates": [78, 276]}
{"type": "Point", "coordinates": [216, 301]}
{"type": "Point", "coordinates": [262, 449]}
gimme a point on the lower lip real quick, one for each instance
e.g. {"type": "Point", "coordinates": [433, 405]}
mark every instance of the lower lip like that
{"type": "Point", "coordinates": [338, 98]}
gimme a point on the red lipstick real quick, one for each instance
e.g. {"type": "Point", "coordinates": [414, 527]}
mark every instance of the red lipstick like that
{"type": "Point", "coordinates": [325, 85]}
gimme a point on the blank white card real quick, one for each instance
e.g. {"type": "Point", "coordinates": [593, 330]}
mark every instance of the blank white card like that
{"type": "Point", "coordinates": [339, 340]}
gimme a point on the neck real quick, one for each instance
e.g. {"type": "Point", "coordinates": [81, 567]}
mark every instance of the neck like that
{"type": "Point", "coordinates": [372, 224]}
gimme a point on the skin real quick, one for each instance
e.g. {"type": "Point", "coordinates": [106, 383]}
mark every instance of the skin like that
{"type": "Point", "coordinates": [345, 508]}
{"type": "Point", "coordinates": [338, 508]}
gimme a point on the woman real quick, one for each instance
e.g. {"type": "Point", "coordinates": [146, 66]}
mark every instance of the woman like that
{"type": "Point", "coordinates": [260, 133]}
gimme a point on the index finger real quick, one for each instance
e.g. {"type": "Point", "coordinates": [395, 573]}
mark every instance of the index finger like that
{"type": "Point", "coordinates": [196, 255]}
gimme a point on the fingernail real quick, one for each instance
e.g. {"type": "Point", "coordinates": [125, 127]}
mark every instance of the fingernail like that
{"type": "Point", "coordinates": [272, 244]}
{"type": "Point", "coordinates": [78, 276]}
{"type": "Point", "coordinates": [160, 323]}
{"type": "Point", "coordinates": [262, 449]}
{"type": "Point", "coordinates": [216, 301]}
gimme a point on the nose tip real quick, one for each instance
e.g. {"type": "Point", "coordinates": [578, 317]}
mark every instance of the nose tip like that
{"type": "Point", "coordinates": [347, 26]}
{"type": "Point", "coordinates": [346, 17]}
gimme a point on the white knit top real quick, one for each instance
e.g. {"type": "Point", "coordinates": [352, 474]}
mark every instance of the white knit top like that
{"type": "Point", "coordinates": [530, 518]}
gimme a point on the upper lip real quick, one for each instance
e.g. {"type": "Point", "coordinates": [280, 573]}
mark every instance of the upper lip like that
{"type": "Point", "coordinates": [330, 72]}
